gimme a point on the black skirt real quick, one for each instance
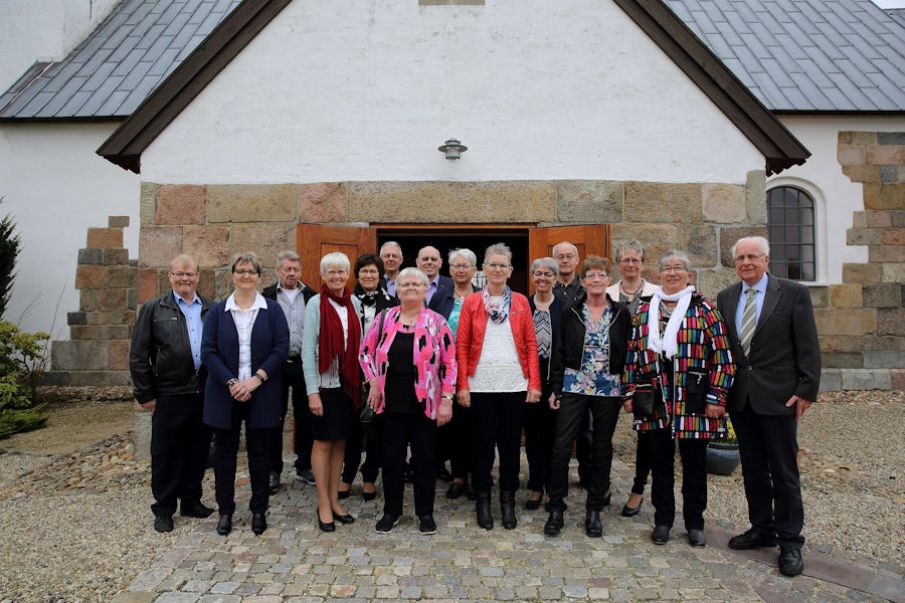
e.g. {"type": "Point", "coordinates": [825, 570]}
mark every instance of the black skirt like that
{"type": "Point", "coordinates": [337, 417]}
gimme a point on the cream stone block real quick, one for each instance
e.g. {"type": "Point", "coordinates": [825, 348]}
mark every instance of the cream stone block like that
{"type": "Point", "coordinates": [252, 203]}
{"type": "Point", "coordinates": [658, 202]}
{"type": "Point", "coordinates": [590, 201]}
{"type": "Point", "coordinates": [724, 203]}
{"type": "Point", "coordinates": [846, 296]}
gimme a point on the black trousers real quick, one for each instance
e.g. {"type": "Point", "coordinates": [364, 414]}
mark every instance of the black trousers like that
{"type": "Point", "coordinates": [572, 410]}
{"type": "Point", "coordinates": [226, 450]}
{"type": "Point", "coordinates": [694, 478]}
{"type": "Point", "coordinates": [397, 432]}
{"type": "Point", "coordinates": [458, 432]}
{"type": "Point", "coordinates": [584, 447]}
{"type": "Point", "coordinates": [642, 463]}
{"type": "Point", "coordinates": [768, 446]}
{"type": "Point", "coordinates": [496, 420]}
{"type": "Point", "coordinates": [540, 428]}
{"type": "Point", "coordinates": [294, 379]}
{"type": "Point", "coordinates": [180, 444]}
{"type": "Point", "coordinates": [360, 439]}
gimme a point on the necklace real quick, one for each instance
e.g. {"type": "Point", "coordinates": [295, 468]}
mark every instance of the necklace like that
{"type": "Point", "coordinates": [631, 293]}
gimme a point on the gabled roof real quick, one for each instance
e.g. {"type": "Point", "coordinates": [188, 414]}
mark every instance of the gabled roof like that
{"type": "Point", "coordinates": [115, 68]}
{"type": "Point", "coordinates": [780, 148]}
{"type": "Point", "coordinates": [806, 55]}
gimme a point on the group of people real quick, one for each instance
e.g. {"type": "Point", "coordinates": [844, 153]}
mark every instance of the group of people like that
{"type": "Point", "coordinates": [413, 369]}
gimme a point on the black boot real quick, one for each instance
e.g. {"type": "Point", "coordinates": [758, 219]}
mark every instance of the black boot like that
{"type": "Point", "coordinates": [507, 506]}
{"type": "Point", "coordinates": [482, 510]}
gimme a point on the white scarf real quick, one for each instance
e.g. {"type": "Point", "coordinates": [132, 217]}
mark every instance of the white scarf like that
{"type": "Point", "coordinates": [668, 344]}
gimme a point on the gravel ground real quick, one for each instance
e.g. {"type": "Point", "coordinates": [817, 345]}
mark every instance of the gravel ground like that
{"type": "Point", "coordinates": [76, 524]}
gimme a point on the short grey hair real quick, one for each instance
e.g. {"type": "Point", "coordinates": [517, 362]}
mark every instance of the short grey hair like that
{"type": "Point", "coordinates": [565, 244]}
{"type": "Point", "coordinates": [675, 253]}
{"type": "Point", "coordinates": [247, 257]}
{"type": "Point", "coordinates": [468, 254]}
{"type": "Point", "coordinates": [498, 249]}
{"type": "Point", "coordinates": [182, 260]}
{"type": "Point", "coordinates": [288, 254]}
{"type": "Point", "coordinates": [412, 271]}
{"type": "Point", "coordinates": [630, 245]}
{"type": "Point", "coordinates": [335, 260]}
{"type": "Point", "coordinates": [390, 244]}
{"type": "Point", "coordinates": [546, 263]}
{"type": "Point", "coordinates": [763, 243]}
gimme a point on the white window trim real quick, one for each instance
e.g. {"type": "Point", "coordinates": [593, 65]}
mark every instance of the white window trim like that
{"type": "Point", "coordinates": [820, 229]}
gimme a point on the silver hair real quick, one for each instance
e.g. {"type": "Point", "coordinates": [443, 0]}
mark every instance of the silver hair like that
{"type": "Point", "coordinates": [247, 257]}
{"type": "Point", "coordinates": [564, 244]}
{"type": "Point", "coordinates": [468, 254]}
{"type": "Point", "coordinates": [390, 244]}
{"type": "Point", "coordinates": [630, 245]}
{"type": "Point", "coordinates": [498, 249]}
{"type": "Point", "coordinates": [287, 254]}
{"type": "Point", "coordinates": [335, 260]}
{"type": "Point", "coordinates": [412, 271]}
{"type": "Point", "coordinates": [675, 253]}
{"type": "Point", "coordinates": [763, 243]}
{"type": "Point", "coordinates": [182, 260]}
{"type": "Point", "coordinates": [546, 263]}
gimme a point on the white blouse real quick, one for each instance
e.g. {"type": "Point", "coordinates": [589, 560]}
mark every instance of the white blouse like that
{"type": "Point", "coordinates": [498, 368]}
{"type": "Point", "coordinates": [245, 322]}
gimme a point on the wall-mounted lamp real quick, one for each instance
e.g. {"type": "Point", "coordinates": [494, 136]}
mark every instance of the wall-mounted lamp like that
{"type": "Point", "coordinates": [453, 148]}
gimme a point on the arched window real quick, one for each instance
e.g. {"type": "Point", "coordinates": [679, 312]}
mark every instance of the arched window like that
{"type": "Point", "coordinates": [790, 219]}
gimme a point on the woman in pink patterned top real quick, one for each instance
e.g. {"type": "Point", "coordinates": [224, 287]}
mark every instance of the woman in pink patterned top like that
{"type": "Point", "coordinates": [409, 359]}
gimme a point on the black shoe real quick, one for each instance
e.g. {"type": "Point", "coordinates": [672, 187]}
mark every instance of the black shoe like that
{"type": "Point", "coordinates": [470, 493]}
{"type": "Point", "coordinates": [482, 511]}
{"type": "Point", "coordinates": [195, 509]}
{"type": "Point", "coordinates": [344, 494]}
{"type": "Point", "coordinates": [696, 538]}
{"type": "Point", "coordinates": [369, 496]}
{"type": "Point", "coordinates": [444, 475]}
{"type": "Point", "coordinates": [329, 526]}
{"type": "Point", "coordinates": [273, 482]}
{"type": "Point", "coordinates": [456, 490]}
{"type": "Point", "coordinates": [426, 524]}
{"type": "Point", "coordinates": [305, 476]}
{"type": "Point", "coordinates": [554, 523]}
{"type": "Point", "coordinates": [344, 519]}
{"type": "Point", "coordinates": [751, 540]}
{"type": "Point", "coordinates": [386, 524]}
{"type": "Point", "coordinates": [258, 523]}
{"type": "Point", "coordinates": [507, 509]}
{"type": "Point", "coordinates": [532, 504]}
{"type": "Point", "coordinates": [628, 511]}
{"type": "Point", "coordinates": [592, 526]}
{"type": "Point", "coordinates": [790, 561]}
{"type": "Point", "coordinates": [660, 535]}
{"type": "Point", "coordinates": [163, 523]}
{"type": "Point", "coordinates": [225, 524]}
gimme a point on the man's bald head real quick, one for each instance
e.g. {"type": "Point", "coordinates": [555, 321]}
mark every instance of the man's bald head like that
{"type": "Point", "coordinates": [429, 261]}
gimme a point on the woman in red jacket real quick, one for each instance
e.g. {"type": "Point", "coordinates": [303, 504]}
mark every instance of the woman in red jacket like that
{"type": "Point", "coordinates": [496, 350]}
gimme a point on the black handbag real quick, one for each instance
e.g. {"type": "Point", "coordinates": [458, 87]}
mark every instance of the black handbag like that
{"type": "Point", "coordinates": [644, 400]}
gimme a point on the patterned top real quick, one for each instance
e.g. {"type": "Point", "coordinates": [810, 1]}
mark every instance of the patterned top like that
{"type": "Point", "coordinates": [593, 378]}
{"type": "Point", "coordinates": [434, 355]}
{"type": "Point", "coordinates": [703, 350]}
{"type": "Point", "coordinates": [453, 320]}
{"type": "Point", "coordinates": [543, 328]}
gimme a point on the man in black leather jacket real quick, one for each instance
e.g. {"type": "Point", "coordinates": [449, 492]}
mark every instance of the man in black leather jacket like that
{"type": "Point", "coordinates": [168, 379]}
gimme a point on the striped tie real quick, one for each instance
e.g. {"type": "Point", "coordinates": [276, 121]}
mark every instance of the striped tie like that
{"type": "Point", "coordinates": [749, 320]}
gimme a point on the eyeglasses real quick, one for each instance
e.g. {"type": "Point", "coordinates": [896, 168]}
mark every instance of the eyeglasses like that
{"type": "Point", "coordinates": [739, 259]}
{"type": "Point", "coordinates": [629, 261]}
{"type": "Point", "coordinates": [679, 268]}
{"type": "Point", "coordinates": [337, 272]}
{"type": "Point", "coordinates": [183, 274]}
{"type": "Point", "coordinates": [566, 256]}
{"type": "Point", "coordinates": [245, 272]}
{"type": "Point", "coordinates": [540, 273]}
{"type": "Point", "coordinates": [410, 285]}
{"type": "Point", "coordinates": [461, 267]}
{"type": "Point", "coordinates": [497, 266]}
{"type": "Point", "coordinates": [594, 275]}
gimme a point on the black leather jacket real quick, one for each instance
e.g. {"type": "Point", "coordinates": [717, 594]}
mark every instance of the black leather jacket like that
{"type": "Point", "coordinates": [160, 359]}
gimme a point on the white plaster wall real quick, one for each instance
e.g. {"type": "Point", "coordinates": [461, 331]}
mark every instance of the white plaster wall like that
{"type": "Point", "coordinates": [367, 90]}
{"type": "Point", "coordinates": [43, 30]}
{"type": "Point", "coordinates": [56, 187]}
{"type": "Point", "coordinates": [836, 196]}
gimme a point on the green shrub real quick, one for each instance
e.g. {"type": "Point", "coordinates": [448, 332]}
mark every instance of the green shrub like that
{"type": "Point", "coordinates": [9, 250]}
{"type": "Point", "coordinates": [21, 364]}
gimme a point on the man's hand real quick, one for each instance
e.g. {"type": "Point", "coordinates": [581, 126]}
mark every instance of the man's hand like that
{"type": "Point", "coordinates": [627, 406]}
{"type": "Point", "coordinates": [800, 405]}
{"type": "Point", "coordinates": [150, 405]}
{"type": "Point", "coordinates": [554, 402]}
{"type": "Point", "coordinates": [464, 397]}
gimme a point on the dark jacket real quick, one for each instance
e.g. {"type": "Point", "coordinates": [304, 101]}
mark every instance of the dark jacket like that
{"type": "Point", "coordinates": [445, 298]}
{"type": "Point", "coordinates": [556, 308]}
{"type": "Point", "coordinates": [220, 354]}
{"type": "Point", "coordinates": [445, 286]}
{"type": "Point", "coordinates": [569, 345]}
{"type": "Point", "coordinates": [160, 358]}
{"type": "Point", "coordinates": [271, 291]}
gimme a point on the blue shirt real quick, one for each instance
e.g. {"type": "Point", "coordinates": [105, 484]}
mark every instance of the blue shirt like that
{"type": "Point", "coordinates": [390, 285]}
{"type": "Point", "coordinates": [761, 288]}
{"type": "Point", "coordinates": [192, 313]}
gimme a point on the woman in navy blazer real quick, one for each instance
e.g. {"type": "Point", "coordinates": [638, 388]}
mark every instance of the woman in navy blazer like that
{"type": "Point", "coordinates": [245, 341]}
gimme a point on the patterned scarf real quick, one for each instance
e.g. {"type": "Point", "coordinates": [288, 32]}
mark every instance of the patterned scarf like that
{"type": "Point", "coordinates": [331, 344]}
{"type": "Point", "coordinates": [367, 298]}
{"type": "Point", "coordinates": [498, 312]}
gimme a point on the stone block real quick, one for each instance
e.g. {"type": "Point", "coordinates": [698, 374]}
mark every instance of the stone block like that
{"type": "Point", "coordinates": [116, 257]}
{"type": "Point", "coordinates": [136, 597]}
{"type": "Point", "coordinates": [118, 221]}
{"type": "Point", "coordinates": [78, 355]}
{"type": "Point", "coordinates": [147, 284]}
{"type": "Point", "coordinates": [893, 236]}
{"type": "Point", "coordinates": [103, 378]}
{"type": "Point", "coordinates": [893, 273]}
{"type": "Point", "coordinates": [132, 297]}
{"type": "Point", "coordinates": [889, 173]}
{"type": "Point", "coordinates": [854, 321]}
{"type": "Point", "coordinates": [206, 283]}
{"type": "Point", "coordinates": [112, 317]}
{"type": "Point", "coordinates": [121, 276]}
{"type": "Point", "coordinates": [897, 379]}
{"type": "Point", "coordinates": [724, 203]}
{"type": "Point", "coordinates": [113, 299]}
{"type": "Point", "coordinates": [859, 219]}
{"type": "Point", "coordinates": [756, 197]}
{"type": "Point", "coordinates": [252, 203]}
{"type": "Point", "coordinates": [830, 380]}
{"type": "Point", "coordinates": [885, 154]}
{"type": "Point", "coordinates": [820, 296]}
{"type": "Point", "coordinates": [841, 343]}
{"type": "Point", "coordinates": [590, 201]}
{"type": "Point", "coordinates": [157, 245]}
{"type": "Point", "coordinates": [148, 203]}
{"type": "Point", "coordinates": [322, 202]}
{"type": "Point", "coordinates": [659, 202]}
{"type": "Point", "coordinates": [878, 219]}
{"type": "Point", "coordinates": [711, 281]}
{"type": "Point", "coordinates": [76, 318]}
{"type": "Point", "coordinates": [861, 273]}
{"type": "Point", "coordinates": [118, 354]}
{"type": "Point", "coordinates": [100, 332]}
{"type": "Point", "coordinates": [842, 360]}
{"type": "Point", "coordinates": [656, 238]}
{"type": "Point", "coordinates": [885, 343]}
{"type": "Point", "coordinates": [699, 242]}
{"type": "Point", "coordinates": [846, 296]}
{"type": "Point", "coordinates": [881, 359]}
{"type": "Point", "coordinates": [105, 238]}
{"type": "Point", "coordinates": [179, 204]}
{"type": "Point", "coordinates": [474, 202]}
{"type": "Point", "coordinates": [862, 173]}
{"type": "Point", "coordinates": [88, 299]}
{"type": "Point", "coordinates": [891, 321]}
{"type": "Point", "coordinates": [883, 295]}
{"type": "Point", "coordinates": [88, 276]}
{"type": "Point", "coordinates": [208, 244]}
{"type": "Point", "coordinates": [264, 240]}
{"type": "Point", "coordinates": [877, 254]}
{"type": "Point", "coordinates": [862, 236]}
{"type": "Point", "coordinates": [884, 196]}
{"type": "Point", "coordinates": [865, 138]}
{"type": "Point", "coordinates": [861, 379]}
{"type": "Point", "coordinates": [891, 138]}
{"type": "Point", "coordinates": [730, 234]}
{"type": "Point", "coordinates": [850, 154]}
{"type": "Point", "coordinates": [91, 256]}
{"type": "Point", "coordinates": [223, 284]}
{"type": "Point", "coordinates": [844, 138]}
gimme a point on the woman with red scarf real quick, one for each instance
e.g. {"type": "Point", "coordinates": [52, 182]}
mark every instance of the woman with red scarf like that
{"type": "Point", "coordinates": [330, 344]}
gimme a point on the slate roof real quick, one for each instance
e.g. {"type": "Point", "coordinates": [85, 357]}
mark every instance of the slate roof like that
{"type": "Point", "coordinates": [897, 13]}
{"type": "Point", "coordinates": [806, 55]}
{"type": "Point", "coordinates": [118, 65]}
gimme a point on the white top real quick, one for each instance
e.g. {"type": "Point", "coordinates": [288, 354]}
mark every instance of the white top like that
{"type": "Point", "coordinates": [245, 321]}
{"type": "Point", "coordinates": [498, 367]}
{"type": "Point", "coordinates": [291, 294]}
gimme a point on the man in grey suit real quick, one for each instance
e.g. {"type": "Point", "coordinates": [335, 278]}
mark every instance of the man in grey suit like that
{"type": "Point", "coordinates": [774, 341]}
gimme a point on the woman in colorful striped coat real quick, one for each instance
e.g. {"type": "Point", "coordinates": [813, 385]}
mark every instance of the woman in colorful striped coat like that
{"type": "Point", "coordinates": [678, 371]}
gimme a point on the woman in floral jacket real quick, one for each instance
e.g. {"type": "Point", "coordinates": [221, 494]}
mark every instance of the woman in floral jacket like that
{"type": "Point", "coordinates": [678, 371]}
{"type": "Point", "coordinates": [409, 359]}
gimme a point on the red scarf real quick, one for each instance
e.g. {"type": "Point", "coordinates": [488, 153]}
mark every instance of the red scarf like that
{"type": "Point", "coordinates": [331, 345]}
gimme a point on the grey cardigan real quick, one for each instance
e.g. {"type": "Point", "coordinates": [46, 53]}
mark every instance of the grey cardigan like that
{"type": "Point", "coordinates": [310, 337]}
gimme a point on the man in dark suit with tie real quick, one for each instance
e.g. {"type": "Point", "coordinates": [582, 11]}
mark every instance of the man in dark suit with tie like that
{"type": "Point", "coordinates": [774, 341]}
{"type": "Point", "coordinates": [430, 262]}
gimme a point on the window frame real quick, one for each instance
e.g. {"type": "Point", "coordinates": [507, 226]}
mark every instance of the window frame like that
{"type": "Point", "coordinates": [819, 222]}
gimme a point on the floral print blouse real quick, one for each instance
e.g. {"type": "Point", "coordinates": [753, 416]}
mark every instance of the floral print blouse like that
{"type": "Point", "coordinates": [594, 378]}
